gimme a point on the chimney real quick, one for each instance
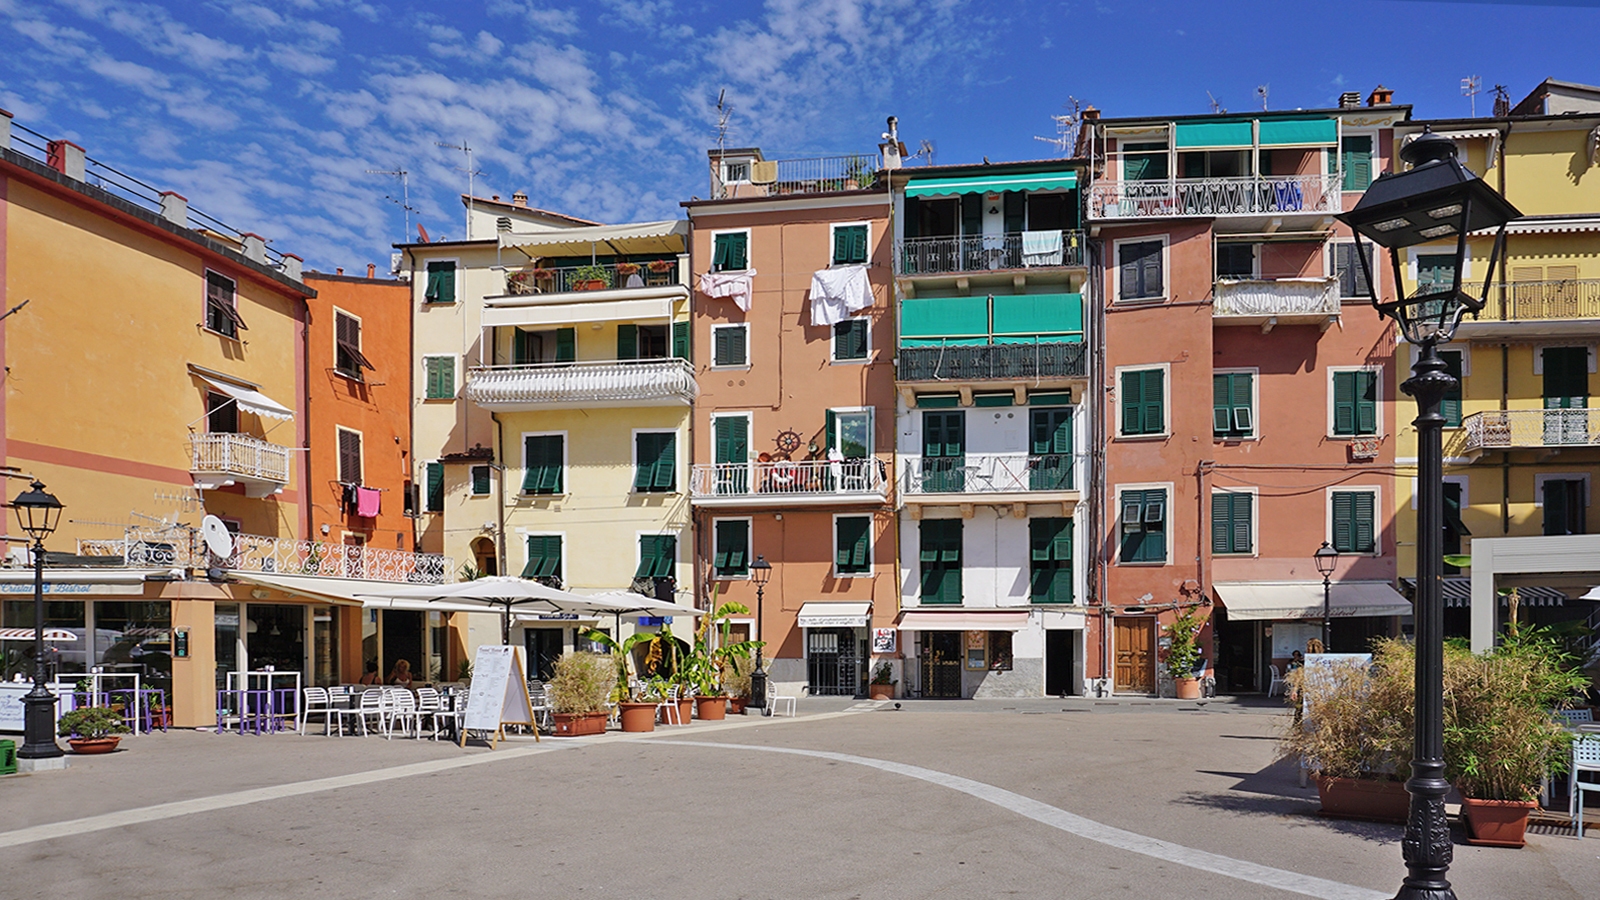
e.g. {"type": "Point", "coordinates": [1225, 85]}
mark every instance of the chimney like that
{"type": "Point", "coordinates": [891, 148]}
{"type": "Point", "coordinates": [255, 247]}
{"type": "Point", "coordinates": [372, 270]}
{"type": "Point", "coordinates": [291, 265]}
{"type": "Point", "coordinates": [175, 208]}
{"type": "Point", "coordinates": [1090, 114]}
{"type": "Point", "coordinates": [1350, 100]}
{"type": "Point", "coordinates": [5, 130]}
{"type": "Point", "coordinates": [1380, 96]}
{"type": "Point", "coordinates": [520, 198]}
{"type": "Point", "coordinates": [495, 197]}
{"type": "Point", "coordinates": [65, 157]}
{"type": "Point", "coordinates": [338, 270]}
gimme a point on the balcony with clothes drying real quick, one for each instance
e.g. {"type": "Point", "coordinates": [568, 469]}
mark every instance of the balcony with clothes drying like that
{"type": "Point", "coordinates": [1265, 282]}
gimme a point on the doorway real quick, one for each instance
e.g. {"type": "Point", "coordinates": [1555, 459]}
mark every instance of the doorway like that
{"type": "Point", "coordinates": [1058, 662]}
{"type": "Point", "coordinates": [275, 635]}
{"type": "Point", "coordinates": [1135, 657]}
{"type": "Point", "coordinates": [832, 666]}
{"type": "Point", "coordinates": [543, 646]}
{"type": "Point", "coordinates": [941, 664]}
{"type": "Point", "coordinates": [402, 639]}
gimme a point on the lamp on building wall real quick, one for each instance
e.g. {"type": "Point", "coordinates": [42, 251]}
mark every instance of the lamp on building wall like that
{"type": "Point", "coordinates": [38, 513]}
{"type": "Point", "coordinates": [760, 573]}
{"type": "Point", "coordinates": [1436, 198]}
{"type": "Point", "coordinates": [1325, 557]}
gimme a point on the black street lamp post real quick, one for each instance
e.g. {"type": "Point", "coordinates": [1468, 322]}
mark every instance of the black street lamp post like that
{"type": "Point", "coordinates": [760, 573]}
{"type": "Point", "coordinates": [1325, 558]}
{"type": "Point", "coordinates": [38, 514]}
{"type": "Point", "coordinates": [1436, 198]}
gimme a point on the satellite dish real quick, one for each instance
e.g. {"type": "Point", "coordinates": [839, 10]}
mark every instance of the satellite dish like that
{"type": "Point", "coordinates": [217, 537]}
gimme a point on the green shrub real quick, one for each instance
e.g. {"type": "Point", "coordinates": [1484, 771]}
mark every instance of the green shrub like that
{"type": "Point", "coordinates": [581, 683]}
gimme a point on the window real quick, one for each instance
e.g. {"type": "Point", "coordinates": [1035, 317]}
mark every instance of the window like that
{"type": "Point", "coordinates": [1139, 270]}
{"type": "Point", "coordinates": [735, 172]}
{"type": "Point", "coordinates": [1000, 651]}
{"type": "Point", "coordinates": [1354, 529]}
{"type": "Point", "coordinates": [347, 357]}
{"type": "Point", "coordinates": [1355, 402]}
{"type": "Point", "coordinates": [1450, 406]}
{"type": "Point", "coordinates": [544, 556]}
{"type": "Point", "coordinates": [1050, 542]}
{"type": "Point", "coordinates": [1231, 517]}
{"type": "Point", "coordinates": [1435, 272]}
{"type": "Point", "coordinates": [480, 480]}
{"type": "Point", "coordinates": [849, 245]}
{"type": "Point", "coordinates": [849, 432]}
{"type": "Point", "coordinates": [1356, 156]}
{"type": "Point", "coordinates": [1236, 261]}
{"type": "Point", "coordinates": [655, 462]}
{"type": "Point", "coordinates": [852, 545]}
{"type": "Point", "coordinates": [1214, 163]}
{"type": "Point", "coordinates": [441, 282]}
{"type": "Point", "coordinates": [1233, 405]}
{"type": "Point", "coordinates": [730, 345]}
{"type": "Point", "coordinates": [222, 305]}
{"type": "Point", "coordinates": [350, 456]}
{"type": "Point", "coordinates": [1454, 528]}
{"type": "Point", "coordinates": [1050, 462]}
{"type": "Point", "coordinates": [1347, 268]}
{"type": "Point", "coordinates": [941, 560]}
{"type": "Point", "coordinates": [435, 486]}
{"type": "Point", "coordinates": [1143, 403]}
{"type": "Point", "coordinates": [222, 414]}
{"type": "Point", "coordinates": [1564, 505]}
{"type": "Point", "coordinates": [439, 377]}
{"type": "Point", "coordinates": [680, 341]}
{"type": "Point", "coordinates": [1144, 162]}
{"type": "Point", "coordinates": [732, 550]}
{"type": "Point", "coordinates": [1144, 526]}
{"type": "Point", "coordinates": [543, 458]}
{"type": "Point", "coordinates": [642, 341]}
{"type": "Point", "coordinates": [657, 555]}
{"type": "Point", "coordinates": [944, 451]}
{"type": "Point", "coordinates": [850, 340]}
{"type": "Point", "coordinates": [730, 251]}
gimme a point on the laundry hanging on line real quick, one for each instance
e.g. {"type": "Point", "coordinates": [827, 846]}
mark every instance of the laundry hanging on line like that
{"type": "Point", "coordinates": [838, 292]}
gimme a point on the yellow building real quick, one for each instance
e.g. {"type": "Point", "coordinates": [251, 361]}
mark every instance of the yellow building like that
{"type": "Point", "coordinates": [1522, 445]}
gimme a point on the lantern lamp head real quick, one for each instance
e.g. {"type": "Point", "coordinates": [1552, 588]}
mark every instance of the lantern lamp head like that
{"type": "Point", "coordinates": [38, 511]}
{"type": "Point", "coordinates": [1325, 557]}
{"type": "Point", "coordinates": [760, 571]}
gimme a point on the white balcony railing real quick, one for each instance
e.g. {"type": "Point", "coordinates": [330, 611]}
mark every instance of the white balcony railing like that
{"type": "Point", "coordinates": [1513, 429]}
{"type": "Point", "coordinates": [181, 547]}
{"type": "Point", "coordinates": [238, 456]}
{"type": "Point", "coordinates": [645, 382]}
{"type": "Point", "coordinates": [1246, 196]}
{"type": "Point", "coordinates": [1279, 298]}
{"type": "Point", "coordinates": [986, 473]}
{"type": "Point", "coordinates": [784, 480]}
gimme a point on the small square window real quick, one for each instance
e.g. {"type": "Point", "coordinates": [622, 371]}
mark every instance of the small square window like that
{"type": "Point", "coordinates": [222, 305]}
{"type": "Point", "coordinates": [850, 340]}
{"type": "Point", "coordinates": [441, 286]}
{"type": "Point", "coordinates": [480, 480]}
{"type": "Point", "coordinates": [730, 345]}
{"type": "Point", "coordinates": [730, 252]}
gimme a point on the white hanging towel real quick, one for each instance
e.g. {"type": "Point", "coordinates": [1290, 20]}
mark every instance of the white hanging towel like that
{"type": "Point", "coordinates": [729, 284]}
{"type": "Point", "coordinates": [1041, 248]}
{"type": "Point", "coordinates": [838, 292]}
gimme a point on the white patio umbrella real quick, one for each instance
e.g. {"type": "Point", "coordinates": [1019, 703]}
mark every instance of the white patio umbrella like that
{"type": "Point", "coordinates": [504, 593]}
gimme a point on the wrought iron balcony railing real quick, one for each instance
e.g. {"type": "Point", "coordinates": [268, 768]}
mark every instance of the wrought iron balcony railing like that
{"type": "Point", "coordinates": [1281, 298]}
{"type": "Point", "coordinates": [993, 361]}
{"type": "Point", "coordinates": [787, 481]}
{"type": "Point", "coordinates": [565, 279]}
{"type": "Point", "coordinates": [642, 382]}
{"type": "Point", "coordinates": [1247, 196]}
{"type": "Point", "coordinates": [238, 456]}
{"type": "Point", "coordinates": [1516, 429]}
{"type": "Point", "coordinates": [1575, 298]}
{"type": "Point", "coordinates": [987, 253]}
{"type": "Point", "coordinates": [181, 547]}
{"type": "Point", "coordinates": [986, 473]}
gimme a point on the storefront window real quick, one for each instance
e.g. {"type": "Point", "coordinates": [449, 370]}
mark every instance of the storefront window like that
{"type": "Point", "coordinates": [324, 646]}
{"type": "Point", "coordinates": [69, 657]}
{"type": "Point", "coordinates": [369, 640]}
{"type": "Point", "coordinates": [275, 635]}
{"type": "Point", "coordinates": [135, 637]}
{"type": "Point", "coordinates": [1000, 651]}
{"type": "Point", "coordinates": [226, 618]}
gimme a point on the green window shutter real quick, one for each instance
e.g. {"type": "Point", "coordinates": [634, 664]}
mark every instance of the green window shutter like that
{"type": "Point", "coordinates": [1128, 272]}
{"type": "Point", "coordinates": [680, 340]}
{"type": "Point", "coordinates": [544, 557]}
{"type": "Point", "coordinates": [1354, 526]}
{"type": "Point", "coordinates": [1450, 406]}
{"type": "Point", "coordinates": [729, 346]}
{"type": "Point", "coordinates": [731, 252]}
{"type": "Point", "coordinates": [543, 467]}
{"type": "Point", "coordinates": [1132, 407]}
{"type": "Point", "coordinates": [435, 487]}
{"type": "Point", "coordinates": [627, 341]}
{"type": "Point", "coordinates": [941, 560]}
{"type": "Point", "coordinates": [732, 549]}
{"type": "Point", "coordinates": [1014, 208]}
{"type": "Point", "coordinates": [441, 283]}
{"type": "Point", "coordinates": [830, 429]}
{"type": "Point", "coordinates": [1232, 409]}
{"type": "Point", "coordinates": [732, 439]}
{"type": "Point", "coordinates": [1050, 547]}
{"type": "Point", "coordinates": [441, 377]}
{"type": "Point", "coordinates": [852, 538]}
{"type": "Point", "coordinates": [1152, 401]}
{"type": "Point", "coordinates": [1356, 155]}
{"type": "Point", "coordinates": [657, 466]}
{"type": "Point", "coordinates": [1151, 281]}
{"type": "Point", "coordinates": [644, 463]}
{"type": "Point", "coordinates": [480, 479]}
{"type": "Point", "coordinates": [1221, 405]}
{"type": "Point", "coordinates": [1052, 432]}
{"type": "Point", "coordinates": [566, 344]}
{"type": "Point", "coordinates": [1344, 403]}
{"type": "Point", "coordinates": [657, 555]}
{"type": "Point", "coordinates": [1366, 402]}
{"type": "Point", "coordinates": [719, 253]}
{"type": "Point", "coordinates": [1365, 539]}
{"type": "Point", "coordinates": [523, 344]}
{"type": "Point", "coordinates": [1230, 522]}
{"type": "Point", "coordinates": [850, 339]}
{"type": "Point", "coordinates": [1135, 168]}
{"type": "Point", "coordinates": [850, 245]}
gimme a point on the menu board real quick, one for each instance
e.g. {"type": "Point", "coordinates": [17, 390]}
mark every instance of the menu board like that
{"type": "Point", "coordinates": [499, 694]}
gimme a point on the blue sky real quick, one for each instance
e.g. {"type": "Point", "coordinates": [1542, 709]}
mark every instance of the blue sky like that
{"type": "Point", "coordinates": [268, 115]}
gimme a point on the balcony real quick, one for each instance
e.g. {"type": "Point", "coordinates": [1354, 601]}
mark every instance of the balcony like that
{"type": "Point", "coordinates": [1266, 195]}
{"type": "Point", "coordinates": [220, 459]}
{"type": "Point", "coordinates": [181, 547]}
{"type": "Point", "coordinates": [1532, 308]}
{"type": "Point", "coordinates": [784, 483]}
{"type": "Point", "coordinates": [808, 175]}
{"type": "Point", "coordinates": [573, 385]}
{"type": "Point", "coordinates": [1526, 429]}
{"type": "Point", "coordinates": [1283, 301]}
{"type": "Point", "coordinates": [985, 253]}
{"type": "Point", "coordinates": [993, 362]}
{"type": "Point", "coordinates": [568, 279]}
{"type": "Point", "coordinates": [988, 478]}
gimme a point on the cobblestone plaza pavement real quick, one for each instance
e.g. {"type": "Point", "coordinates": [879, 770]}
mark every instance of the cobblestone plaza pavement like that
{"type": "Point", "coordinates": [1042, 798]}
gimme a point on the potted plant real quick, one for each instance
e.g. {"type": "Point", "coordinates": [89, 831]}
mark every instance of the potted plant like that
{"type": "Point", "coordinates": [882, 687]}
{"type": "Point", "coordinates": [736, 684]}
{"type": "Point", "coordinates": [519, 282]}
{"type": "Point", "coordinates": [92, 729]}
{"type": "Point", "coordinates": [627, 268]}
{"type": "Point", "coordinates": [578, 690]}
{"type": "Point", "coordinates": [662, 266]}
{"type": "Point", "coordinates": [591, 278]}
{"type": "Point", "coordinates": [1183, 652]}
{"type": "Point", "coordinates": [636, 707]}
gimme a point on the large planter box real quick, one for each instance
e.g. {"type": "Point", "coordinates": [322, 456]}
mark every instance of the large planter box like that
{"type": "Point", "coordinates": [1496, 823]}
{"type": "Point", "coordinates": [1361, 798]}
{"type": "Point", "coordinates": [638, 717]}
{"type": "Point", "coordinates": [571, 725]}
{"type": "Point", "coordinates": [711, 709]}
{"type": "Point", "coordinates": [881, 691]}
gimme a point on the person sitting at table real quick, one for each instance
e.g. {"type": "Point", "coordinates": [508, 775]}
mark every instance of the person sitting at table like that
{"type": "Point", "coordinates": [400, 675]}
{"type": "Point", "coordinates": [371, 675]}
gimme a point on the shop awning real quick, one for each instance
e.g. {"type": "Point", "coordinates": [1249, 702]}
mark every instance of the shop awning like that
{"type": "Point", "coordinates": [670, 236]}
{"type": "Point", "coordinates": [1037, 181]}
{"type": "Point", "coordinates": [1204, 135]}
{"type": "Point", "coordinates": [1458, 593]}
{"type": "Point", "coordinates": [1264, 600]}
{"type": "Point", "coordinates": [338, 591]}
{"type": "Point", "coordinates": [835, 614]}
{"type": "Point", "coordinates": [962, 620]}
{"type": "Point", "coordinates": [414, 605]}
{"type": "Point", "coordinates": [26, 634]}
{"type": "Point", "coordinates": [1310, 131]}
{"type": "Point", "coordinates": [247, 398]}
{"type": "Point", "coordinates": [88, 581]}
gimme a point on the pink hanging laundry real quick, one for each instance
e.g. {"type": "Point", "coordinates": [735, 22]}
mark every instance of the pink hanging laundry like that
{"type": "Point", "coordinates": [367, 501]}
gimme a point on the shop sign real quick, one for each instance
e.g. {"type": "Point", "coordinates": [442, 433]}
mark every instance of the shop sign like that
{"type": "Point", "coordinates": [883, 640]}
{"type": "Point", "coordinates": [58, 587]}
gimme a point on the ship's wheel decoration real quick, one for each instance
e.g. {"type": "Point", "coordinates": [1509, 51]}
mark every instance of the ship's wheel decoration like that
{"type": "Point", "coordinates": [788, 440]}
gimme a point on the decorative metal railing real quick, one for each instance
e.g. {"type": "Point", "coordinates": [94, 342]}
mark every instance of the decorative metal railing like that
{"type": "Point", "coordinates": [181, 546]}
{"type": "Point", "coordinates": [986, 473]}
{"type": "Point", "coordinates": [238, 455]}
{"type": "Point", "coordinates": [984, 253]}
{"type": "Point", "coordinates": [1576, 298]}
{"type": "Point", "coordinates": [807, 175]}
{"type": "Point", "coordinates": [993, 361]}
{"type": "Point", "coordinates": [639, 382]}
{"type": "Point", "coordinates": [1282, 297]}
{"type": "Point", "coordinates": [777, 480]}
{"type": "Point", "coordinates": [1248, 196]}
{"type": "Point", "coordinates": [1510, 429]}
{"type": "Point", "coordinates": [564, 279]}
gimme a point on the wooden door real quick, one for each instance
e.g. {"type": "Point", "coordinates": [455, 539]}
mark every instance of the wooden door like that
{"type": "Point", "coordinates": [1135, 659]}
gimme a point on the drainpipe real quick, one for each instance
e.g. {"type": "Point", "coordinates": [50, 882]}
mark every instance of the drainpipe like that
{"type": "Point", "coordinates": [1505, 352]}
{"type": "Point", "coordinates": [1097, 580]}
{"type": "Point", "coordinates": [500, 502]}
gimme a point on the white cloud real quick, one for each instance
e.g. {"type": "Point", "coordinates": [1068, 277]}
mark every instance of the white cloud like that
{"type": "Point", "coordinates": [299, 60]}
{"type": "Point", "coordinates": [131, 74]}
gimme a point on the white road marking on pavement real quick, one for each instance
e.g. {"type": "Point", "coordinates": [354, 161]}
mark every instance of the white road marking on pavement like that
{"type": "Point", "coordinates": [256, 795]}
{"type": "Point", "coordinates": [1055, 817]}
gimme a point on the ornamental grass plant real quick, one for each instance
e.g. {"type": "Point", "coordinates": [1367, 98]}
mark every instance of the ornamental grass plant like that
{"type": "Point", "coordinates": [581, 683]}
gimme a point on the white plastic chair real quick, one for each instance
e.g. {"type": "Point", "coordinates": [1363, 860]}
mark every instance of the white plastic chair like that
{"type": "Point", "coordinates": [316, 702]}
{"type": "Point", "coordinates": [402, 709]}
{"type": "Point", "coordinates": [430, 706]}
{"type": "Point", "coordinates": [1585, 758]}
{"type": "Point", "coordinates": [1276, 685]}
{"type": "Point", "coordinates": [775, 700]}
{"type": "Point", "coordinates": [374, 705]}
{"type": "Point", "coordinates": [670, 705]}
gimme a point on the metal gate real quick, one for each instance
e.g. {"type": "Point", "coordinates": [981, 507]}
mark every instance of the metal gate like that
{"type": "Point", "coordinates": [941, 664]}
{"type": "Point", "coordinates": [832, 666]}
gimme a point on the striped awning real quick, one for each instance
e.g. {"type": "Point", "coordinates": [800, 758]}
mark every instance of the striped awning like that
{"type": "Point", "coordinates": [1038, 181]}
{"type": "Point", "coordinates": [26, 634]}
{"type": "Point", "coordinates": [1458, 593]}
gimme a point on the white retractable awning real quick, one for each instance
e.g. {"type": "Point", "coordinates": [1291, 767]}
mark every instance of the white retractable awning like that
{"type": "Point", "coordinates": [339, 591]}
{"type": "Point", "coordinates": [414, 605]}
{"type": "Point", "coordinates": [248, 398]}
{"type": "Point", "coordinates": [620, 305]}
{"type": "Point", "coordinates": [27, 634]}
{"type": "Point", "coordinates": [835, 614]}
{"type": "Point", "coordinates": [669, 236]}
{"type": "Point", "coordinates": [963, 620]}
{"type": "Point", "coordinates": [1262, 600]}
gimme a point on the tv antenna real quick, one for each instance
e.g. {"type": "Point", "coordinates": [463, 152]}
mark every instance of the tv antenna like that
{"type": "Point", "coordinates": [405, 194]}
{"type": "Point", "coordinates": [1216, 108]}
{"type": "Point", "coordinates": [925, 150]}
{"type": "Point", "coordinates": [1470, 86]}
{"type": "Point", "coordinates": [464, 147]}
{"type": "Point", "coordinates": [724, 113]}
{"type": "Point", "coordinates": [1066, 128]}
{"type": "Point", "coordinates": [1261, 91]}
{"type": "Point", "coordinates": [1502, 101]}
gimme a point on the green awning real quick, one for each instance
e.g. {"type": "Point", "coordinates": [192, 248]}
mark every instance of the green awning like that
{"type": "Point", "coordinates": [1039, 181]}
{"type": "Point", "coordinates": [945, 342]}
{"type": "Point", "coordinates": [1196, 135]}
{"type": "Point", "coordinates": [944, 317]}
{"type": "Point", "coordinates": [1310, 130]}
{"type": "Point", "coordinates": [1029, 314]}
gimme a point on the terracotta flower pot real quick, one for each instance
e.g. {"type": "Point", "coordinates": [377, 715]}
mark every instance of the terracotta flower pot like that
{"type": "Point", "coordinates": [1496, 823]}
{"type": "Point", "coordinates": [94, 745]}
{"type": "Point", "coordinates": [685, 709]}
{"type": "Point", "coordinates": [1187, 688]}
{"type": "Point", "coordinates": [881, 691]}
{"type": "Point", "coordinates": [736, 705]}
{"type": "Point", "coordinates": [711, 709]}
{"type": "Point", "coordinates": [589, 284]}
{"type": "Point", "coordinates": [638, 717]}
{"type": "Point", "coordinates": [1371, 799]}
{"type": "Point", "coordinates": [579, 724]}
